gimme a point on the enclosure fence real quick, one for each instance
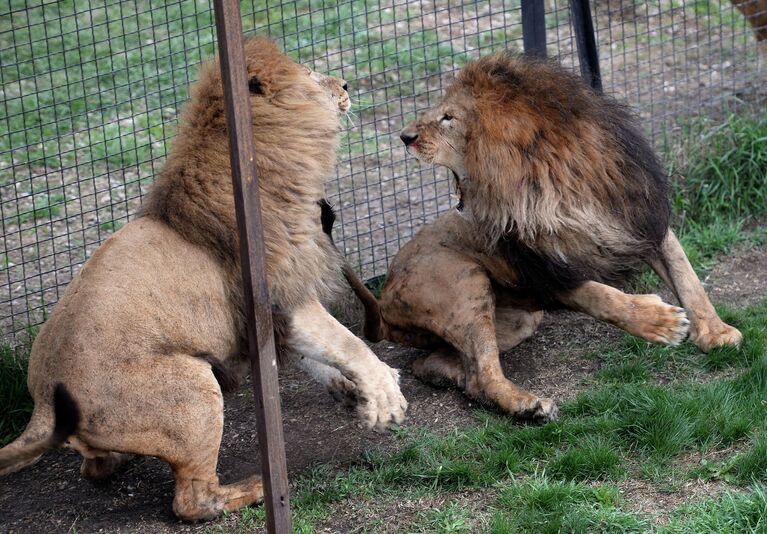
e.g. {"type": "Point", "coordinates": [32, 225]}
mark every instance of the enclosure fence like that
{"type": "Point", "coordinates": [91, 92]}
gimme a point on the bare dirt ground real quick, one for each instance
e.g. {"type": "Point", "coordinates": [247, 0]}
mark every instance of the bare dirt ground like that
{"type": "Point", "coordinates": [52, 497]}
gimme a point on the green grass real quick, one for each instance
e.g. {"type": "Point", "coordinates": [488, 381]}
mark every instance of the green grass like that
{"type": "Point", "coordinates": [544, 506]}
{"type": "Point", "coordinates": [721, 188]}
{"type": "Point", "coordinates": [732, 513]}
{"type": "Point", "coordinates": [589, 458]}
{"type": "Point", "coordinates": [447, 519]}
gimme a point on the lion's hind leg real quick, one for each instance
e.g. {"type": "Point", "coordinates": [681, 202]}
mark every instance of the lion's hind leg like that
{"type": "Point", "coordinates": [484, 378]}
{"type": "Point", "coordinates": [103, 465]}
{"type": "Point", "coordinates": [707, 330]}
{"type": "Point", "coordinates": [465, 318]}
{"type": "Point", "coordinates": [513, 326]}
{"type": "Point", "coordinates": [191, 445]}
{"type": "Point", "coordinates": [169, 406]}
{"type": "Point", "coordinates": [442, 368]}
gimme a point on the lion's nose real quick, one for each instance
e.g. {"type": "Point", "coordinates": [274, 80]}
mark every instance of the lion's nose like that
{"type": "Point", "coordinates": [408, 137]}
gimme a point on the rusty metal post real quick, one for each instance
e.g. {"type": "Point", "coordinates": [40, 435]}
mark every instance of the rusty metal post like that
{"type": "Point", "coordinates": [256, 294]}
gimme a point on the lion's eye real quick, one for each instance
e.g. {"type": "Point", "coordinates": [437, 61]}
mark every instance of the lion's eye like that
{"type": "Point", "coordinates": [447, 117]}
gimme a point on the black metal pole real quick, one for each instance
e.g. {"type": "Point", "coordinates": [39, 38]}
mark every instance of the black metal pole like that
{"type": "Point", "coordinates": [534, 27]}
{"type": "Point", "coordinates": [588, 55]}
{"type": "Point", "coordinates": [256, 294]}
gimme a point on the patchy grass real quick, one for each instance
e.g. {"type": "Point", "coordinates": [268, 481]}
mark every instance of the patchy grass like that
{"type": "Point", "coordinates": [589, 458]}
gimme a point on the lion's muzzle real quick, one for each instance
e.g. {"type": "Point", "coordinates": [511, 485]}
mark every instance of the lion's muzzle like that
{"type": "Point", "coordinates": [408, 136]}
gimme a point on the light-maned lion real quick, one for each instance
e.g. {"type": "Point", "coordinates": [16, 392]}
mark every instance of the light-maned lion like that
{"type": "Point", "coordinates": [559, 195]}
{"type": "Point", "coordinates": [125, 364]}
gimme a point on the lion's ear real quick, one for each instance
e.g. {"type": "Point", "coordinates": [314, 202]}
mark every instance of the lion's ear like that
{"type": "Point", "coordinates": [254, 85]}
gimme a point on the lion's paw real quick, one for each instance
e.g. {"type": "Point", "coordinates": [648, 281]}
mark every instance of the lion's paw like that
{"type": "Point", "coordinates": [546, 411]}
{"type": "Point", "coordinates": [719, 334]}
{"type": "Point", "coordinates": [380, 401]}
{"type": "Point", "coordinates": [540, 410]}
{"type": "Point", "coordinates": [659, 322]}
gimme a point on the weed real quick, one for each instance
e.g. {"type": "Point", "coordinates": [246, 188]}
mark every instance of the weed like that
{"type": "Point", "coordinates": [452, 517]}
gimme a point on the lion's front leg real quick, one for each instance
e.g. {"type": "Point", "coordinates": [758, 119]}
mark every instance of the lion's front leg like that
{"type": "Point", "coordinates": [707, 330]}
{"type": "Point", "coordinates": [316, 335]}
{"type": "Point", "coordinates": [645, 316]}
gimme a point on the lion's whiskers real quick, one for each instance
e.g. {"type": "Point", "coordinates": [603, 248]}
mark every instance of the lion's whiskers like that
{"type": "Point", "coordinates": [349, 114]}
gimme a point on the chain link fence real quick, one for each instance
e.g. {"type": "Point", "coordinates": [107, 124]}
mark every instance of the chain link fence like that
{"type": "Point", "coordinates": [91, 92]}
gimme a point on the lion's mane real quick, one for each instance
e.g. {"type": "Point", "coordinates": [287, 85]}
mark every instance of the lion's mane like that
{"type": "Point", "coordinates": [564, 183]}
{"type": "Point", "coordinates": [296, 135]}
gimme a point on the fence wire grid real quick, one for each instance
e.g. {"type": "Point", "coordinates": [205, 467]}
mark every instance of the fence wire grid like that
{"type": "Point", "coordinates": [91, 92]}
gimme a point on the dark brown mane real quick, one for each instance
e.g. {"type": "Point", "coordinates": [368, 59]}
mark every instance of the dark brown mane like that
{"type": "Point", "coordinates": [565, 181]}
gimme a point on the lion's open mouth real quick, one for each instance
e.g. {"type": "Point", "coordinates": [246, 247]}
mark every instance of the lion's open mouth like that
{"type": "Point", "coordinates": [458, 191]}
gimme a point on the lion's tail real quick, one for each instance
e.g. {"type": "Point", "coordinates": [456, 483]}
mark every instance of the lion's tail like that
{"type": "Point", "coordinates": [373, 329]}
{"type": "Point", "coordinates": [38, 437]}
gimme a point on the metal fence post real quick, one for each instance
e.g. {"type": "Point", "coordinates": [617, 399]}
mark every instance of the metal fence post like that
{"type": "Point", "coordinates": [256, 295]}
{"type": "Point", "coordinates": [588, 56]}
{"type": "Point", "coordinates": [534, 27]}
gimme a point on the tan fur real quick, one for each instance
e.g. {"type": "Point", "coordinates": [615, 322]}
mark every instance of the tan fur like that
{"type": "Point", "coordinates": [755, 12]}
{"type": "Point", "coordinates": [132, 338]}
{"type": "Point", "coordinates": [546, 171]}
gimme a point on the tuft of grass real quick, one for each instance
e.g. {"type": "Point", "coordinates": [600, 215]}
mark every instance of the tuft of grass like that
{"type": "Point", "coordinates": [732, 513]}
{"type": "Point", "coordinates": [726, 180]}
{"type": "Point", "coordinates": [593, 458]}
{"type": "Point", "coordinates": [721, 186]}
{"type": "Point", "coordinates": [634, 370]}
{"type": "Point", "coordinates": [452, 517]}
{"type": "Point", "coordinates": [751, 465]}
{"type": "Point", "coordinates": [543, 506]}
{"type": "Point", "coordinates": [14, 396]}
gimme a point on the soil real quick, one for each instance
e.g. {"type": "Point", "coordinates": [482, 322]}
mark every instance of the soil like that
{"type": "Point", "coordinates": [52, 497]}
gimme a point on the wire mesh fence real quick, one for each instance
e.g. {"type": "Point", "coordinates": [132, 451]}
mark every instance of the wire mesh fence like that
{"type": "Point", "coordinates": [91, 92]}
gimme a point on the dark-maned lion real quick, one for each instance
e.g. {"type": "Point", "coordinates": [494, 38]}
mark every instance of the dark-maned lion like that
{"type": "Point", "coordinates": [559, 195]}
{"type": "Point", "coordinates": [125, 364]}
